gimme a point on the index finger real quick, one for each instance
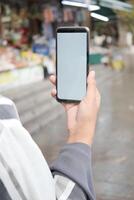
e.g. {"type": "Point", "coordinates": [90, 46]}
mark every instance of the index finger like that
{"type": "Point", "coordinates": [91, 89]}
{"type": "Point", "coordinates": [52, 79]}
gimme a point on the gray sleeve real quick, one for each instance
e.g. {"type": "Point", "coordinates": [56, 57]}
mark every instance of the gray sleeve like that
{"type": "Point", "coordinates": [73, 173]}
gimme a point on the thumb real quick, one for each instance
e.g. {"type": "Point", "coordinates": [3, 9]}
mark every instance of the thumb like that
{"type": "Point", "coordinates": [91, 89]}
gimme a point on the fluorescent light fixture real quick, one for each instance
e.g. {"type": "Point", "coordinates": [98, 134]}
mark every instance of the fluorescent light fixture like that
{"type": "Point", "coordinates": [74, 3]}
{"type": "Point", "coordinates": [82, 5]}
{"type": "Point", "coordinates": [115, 4]}
{"type": "Point", "coordinates": [93, 7]}
{"type": "Point", "coordinates": [100, 17]}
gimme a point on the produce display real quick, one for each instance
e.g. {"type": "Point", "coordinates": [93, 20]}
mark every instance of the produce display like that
{"type": "Point", "coordinates": [11, 58]}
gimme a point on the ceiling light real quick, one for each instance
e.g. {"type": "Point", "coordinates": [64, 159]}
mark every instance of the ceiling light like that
{"type": "Point", "coordinates": [76, 4]}
{"type": "Point", "coordinates": [100, 17]}
{"type": "Point", "coordinates": [82, 5]}
{"type": "Point", "coordinates": [93, 7]}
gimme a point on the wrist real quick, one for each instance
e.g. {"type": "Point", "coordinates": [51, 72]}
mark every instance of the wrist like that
{"type": "Point", "coordinates": [82, 134]}
{"type": "Point", "coordinates": [76, 138]}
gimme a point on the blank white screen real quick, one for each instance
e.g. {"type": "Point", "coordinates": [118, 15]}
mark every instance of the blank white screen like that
{"type": "Point", "coordinates": [71, 65]}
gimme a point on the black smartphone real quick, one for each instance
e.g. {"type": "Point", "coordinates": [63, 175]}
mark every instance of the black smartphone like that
{"type": "Point", "coordinates": [72, 52]}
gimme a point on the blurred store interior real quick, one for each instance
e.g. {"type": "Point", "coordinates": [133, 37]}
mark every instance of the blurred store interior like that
{"type": "Point", "coordinates": [27, 58]}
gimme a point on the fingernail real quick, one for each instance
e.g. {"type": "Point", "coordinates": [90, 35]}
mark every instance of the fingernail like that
{"type": "Point", "coordinates": [51, 76]}
{"type": "Point", "coordinates": [92, 74]}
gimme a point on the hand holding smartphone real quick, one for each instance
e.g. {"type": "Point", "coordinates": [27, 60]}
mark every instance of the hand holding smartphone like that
{"type": "Point", "coordinates": [79, 94]}
{"type": "Point", "coordinates": [81, 117]}
{"type": "Point", "coordinates": [72, 63]}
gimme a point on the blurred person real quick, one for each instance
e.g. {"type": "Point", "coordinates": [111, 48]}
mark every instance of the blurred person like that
{"type": "Point", "coordinates": [48, 67]}
{"type": "Point", "coordinates": [24, 173]}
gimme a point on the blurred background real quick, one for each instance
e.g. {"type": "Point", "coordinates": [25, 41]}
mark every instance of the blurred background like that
{"type": "Point", "coordinates": [27, 58]}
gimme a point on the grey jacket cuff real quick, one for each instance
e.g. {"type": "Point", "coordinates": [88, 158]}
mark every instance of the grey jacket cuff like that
{"type": "Point", "coordinates": [74, 162]}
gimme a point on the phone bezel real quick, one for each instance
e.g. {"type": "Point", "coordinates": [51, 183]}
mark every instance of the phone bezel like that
{"type": "Point", "coordinates": [72, 30]}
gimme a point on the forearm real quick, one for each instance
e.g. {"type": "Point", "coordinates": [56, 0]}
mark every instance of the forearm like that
{"type": "Point", "coordinates": [73, 173]}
